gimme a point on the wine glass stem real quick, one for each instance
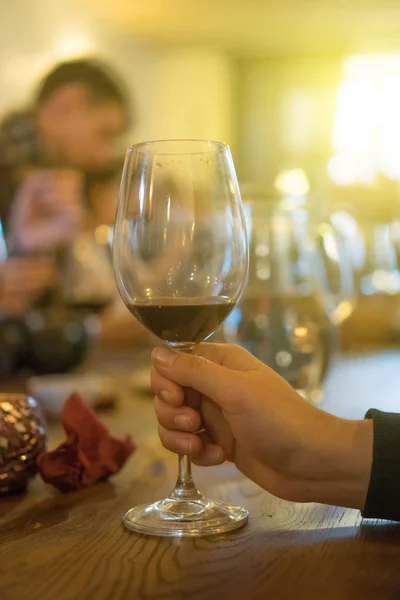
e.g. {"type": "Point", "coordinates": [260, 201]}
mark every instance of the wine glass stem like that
{"type": "Point", "coordinates": [185, 488]}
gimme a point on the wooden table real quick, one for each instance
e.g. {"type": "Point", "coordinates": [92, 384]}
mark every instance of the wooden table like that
{"type": "Point", "coordinates": [73, 546]}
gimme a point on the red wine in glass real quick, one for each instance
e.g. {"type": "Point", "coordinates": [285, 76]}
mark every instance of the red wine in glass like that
{"type": "Point", "coordinates": [182, 323]}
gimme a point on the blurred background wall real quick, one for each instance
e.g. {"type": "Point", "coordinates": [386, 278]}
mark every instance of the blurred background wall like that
{"type": "Point", "coordinates": [309, 85]}
{"type": "Point", "coordinates": [287, 108]}
{"type": "Point", "coordinates": [260, 74]}
{"type": "Point", "coordinates": [176, 92]}
{"type": "Point", "coordinates": [35, 35]}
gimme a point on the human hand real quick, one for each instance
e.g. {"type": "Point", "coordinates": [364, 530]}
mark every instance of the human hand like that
{"type": "Point", "coordinates": [23, 280]}
{"type": "Point", "coordinates": [252, 417]}
{"type": "Point", "coordinates": [47, 211]}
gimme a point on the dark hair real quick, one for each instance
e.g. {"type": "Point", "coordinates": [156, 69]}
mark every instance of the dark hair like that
{"type": "Point", "coordinates": [100, 81]}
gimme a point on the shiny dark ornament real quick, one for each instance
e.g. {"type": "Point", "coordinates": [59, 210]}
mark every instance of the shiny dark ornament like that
{"type": "Point", "coordinates": [22, 440]}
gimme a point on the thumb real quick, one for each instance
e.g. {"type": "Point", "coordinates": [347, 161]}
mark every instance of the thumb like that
{"type": "Point", "coordinates": [196, 372]}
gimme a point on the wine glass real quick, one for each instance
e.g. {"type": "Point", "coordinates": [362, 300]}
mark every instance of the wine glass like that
{"type": "Point", "coordinates": [181, 261]}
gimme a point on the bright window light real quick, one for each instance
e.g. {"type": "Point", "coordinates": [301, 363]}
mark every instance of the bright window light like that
{"type": "Point", "coordinates": [366, 134]}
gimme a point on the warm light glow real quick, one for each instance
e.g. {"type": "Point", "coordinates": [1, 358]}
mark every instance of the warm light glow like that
{"type": "Point", "coordinates": [300, 331]}
{"type": "Point", "coordinates": [366, 135]}
{"type": "Point", "coordinates": [102, 234]}
{"type": "Point", "coordinates": [342, 312]}
{"type": "Point", "coordinates": [262, 250]}
{"type": "Point", "coordinates": [73, 44]}
{"type": "Point", "coordinates": [346, 168]}
{"type": "Point", "coordinates": [357, 114]}
{"type": "Point", "coordinates": [292, 183]}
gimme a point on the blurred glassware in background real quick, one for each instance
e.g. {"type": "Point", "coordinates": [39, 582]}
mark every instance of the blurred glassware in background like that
{"type": "Point", "coordinates": [334, 273]}
{"type": "Point", "coordinates": [88, 280]}
{"type": "Point", "coordinates": [367, 219]}
{"type": "Point", "coordinates": [374, 252]}
{"type": "Point", "coordinates": [54, 333]}
{"type": "Point", "coordinates": [300, 290]}
{"type": "Point", "coordinates": [381, 270]}
{"type": "Point", "coordinates": [88, 285]}
{"type": "Point", "coordinates": [12, 332]}
{"type": "Point", "coordinates": [348, 230]}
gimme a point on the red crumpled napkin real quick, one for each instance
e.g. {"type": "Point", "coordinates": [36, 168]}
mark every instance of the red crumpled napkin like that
{"type": "Point", "coordinates": [89, 453]}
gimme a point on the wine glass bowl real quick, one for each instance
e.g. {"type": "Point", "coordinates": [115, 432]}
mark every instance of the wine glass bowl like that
{"type": "Point", "coordinates": [181, 260]}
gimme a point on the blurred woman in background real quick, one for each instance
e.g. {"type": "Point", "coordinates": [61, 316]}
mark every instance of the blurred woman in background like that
{"type": "Point", "coordinates": [46, 152]}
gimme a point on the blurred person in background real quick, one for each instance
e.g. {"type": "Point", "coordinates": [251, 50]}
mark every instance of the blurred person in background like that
{"type": "Point", "coordinates": [49, 155]}
{"type": "Point", "coordinates": [79, 113]}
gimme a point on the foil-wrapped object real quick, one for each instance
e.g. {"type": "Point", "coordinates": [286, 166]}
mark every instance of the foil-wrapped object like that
{"type": "Point", "coordinates": [22, 440]}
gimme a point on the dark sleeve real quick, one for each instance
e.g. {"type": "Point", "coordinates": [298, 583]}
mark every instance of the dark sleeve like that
{"type": "Point", "coordinates": [383, 498]}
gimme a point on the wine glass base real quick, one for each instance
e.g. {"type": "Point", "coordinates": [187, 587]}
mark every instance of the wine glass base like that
{"type": "Point", "coordinates": [185, 518]}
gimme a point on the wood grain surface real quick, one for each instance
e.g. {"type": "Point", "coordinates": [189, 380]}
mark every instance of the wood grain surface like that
{"type": "Point", "coordinates": [73, 546]}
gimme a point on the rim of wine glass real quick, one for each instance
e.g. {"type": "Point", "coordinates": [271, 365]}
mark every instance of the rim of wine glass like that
{"type": "Point", "coordinates": [222, 146]}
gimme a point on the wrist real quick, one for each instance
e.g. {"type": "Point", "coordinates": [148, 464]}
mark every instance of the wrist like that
{"type": "Point", "coordinates": [340, 462]}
